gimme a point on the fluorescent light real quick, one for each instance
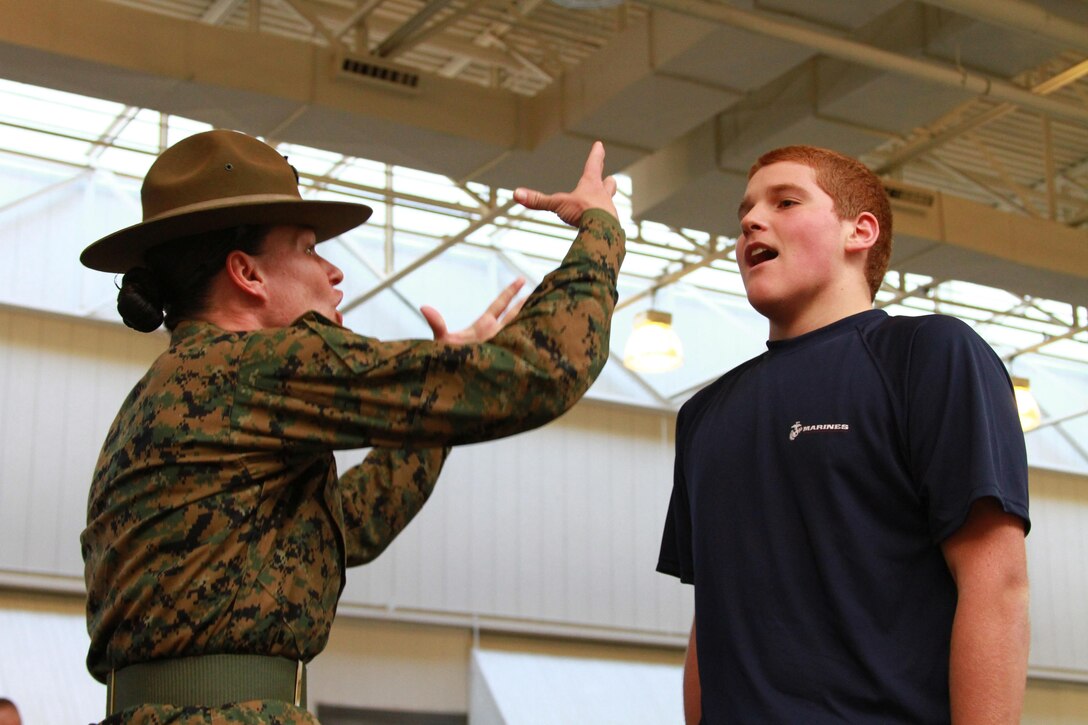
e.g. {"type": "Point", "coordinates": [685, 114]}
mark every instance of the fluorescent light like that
{"type": "Point", "coordinates": [653, 347]}
{"type": "Point", "coordinates": [1026, 405]}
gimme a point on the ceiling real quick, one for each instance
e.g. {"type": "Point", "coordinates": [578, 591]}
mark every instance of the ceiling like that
{"type": "Point", "coordinates": [975, 112]}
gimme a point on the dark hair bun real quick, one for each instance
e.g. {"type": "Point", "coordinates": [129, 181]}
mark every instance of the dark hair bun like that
{"type": "Point", "coordinates": [140, 300]}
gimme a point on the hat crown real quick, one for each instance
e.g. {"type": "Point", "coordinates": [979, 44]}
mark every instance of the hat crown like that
{"type": "Point", "coordinates": [216, 180]}
{"type": "Point", "coordinates": [212, 168]}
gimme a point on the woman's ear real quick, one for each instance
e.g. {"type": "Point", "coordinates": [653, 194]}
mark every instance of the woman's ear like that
{"type": "Point", "coordinates": [865, 232]}
{"type": "Point", "coordinates": [245, 275]}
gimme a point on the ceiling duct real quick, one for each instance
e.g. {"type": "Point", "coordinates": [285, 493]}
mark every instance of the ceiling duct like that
{"type": "Point", "coordinates": [377, 72]}
{"type": "Point", "coordinates": [947, 237]}
{"type": "Point", "coordinates": [910, 200]}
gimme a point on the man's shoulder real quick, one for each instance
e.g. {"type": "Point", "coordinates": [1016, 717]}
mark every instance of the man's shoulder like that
{"type": "Point", "coordinates": [905, 345]}
{"type": "Point", "coordinates": [914, 333]}
{"type": "Point", "coordinates": [931, 325]}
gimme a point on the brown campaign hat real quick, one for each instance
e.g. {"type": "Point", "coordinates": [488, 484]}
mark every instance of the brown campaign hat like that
{"type": "Point", "coordinates": [215, 180]}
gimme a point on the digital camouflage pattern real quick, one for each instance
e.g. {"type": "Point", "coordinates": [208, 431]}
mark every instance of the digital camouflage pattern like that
{"type": "Point", "coordinates": [268, 712]}
{"type": "Point", "coordinates": [217, 522]}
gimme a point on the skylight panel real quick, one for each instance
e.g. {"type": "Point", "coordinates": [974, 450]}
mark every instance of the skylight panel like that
{"type": "Point", "coordinates": [179, 127]}
{"type": "Point", "coordinates": [47, 146]}
{"type": "Point", "coordinates": [434, 186]}
{"type": "Point", "coordinates": [125, 161]}
{"type": "Point", "coordinates": [48, 108]}
{"type": "Point", "coordinates": [427, 222]}
{"type": "Point", "coordinates": [310, 161]}
{"type": "Point", "coordinates": [978, 295]}
{"type": "Point", "coordinates": [1070, 349]}
{"type": "Point", "coordinates": [1009, 337]}
{"type": "Point", "coordinates": [713, 278]}
{"type": "Point", "coordinates": [364, 173]}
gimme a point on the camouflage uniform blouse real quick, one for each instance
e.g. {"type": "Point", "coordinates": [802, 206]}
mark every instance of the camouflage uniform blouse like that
{"type": "Point", "coordinates": [217, 522]}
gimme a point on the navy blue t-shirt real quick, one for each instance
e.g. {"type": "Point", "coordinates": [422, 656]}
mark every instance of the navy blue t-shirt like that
{"type": "Point", "coordinates": [813, 485]}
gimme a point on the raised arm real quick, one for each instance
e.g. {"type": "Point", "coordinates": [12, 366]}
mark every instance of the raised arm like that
{"type": "Point", "coordinates": [382, 494]}
{"type": "Point", "coordinates": [350, 391]}
{"type": "Point", "coordinates": [594, 191]}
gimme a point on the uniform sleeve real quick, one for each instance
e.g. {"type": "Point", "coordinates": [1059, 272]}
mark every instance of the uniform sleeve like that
{"type": "Point", "coordinates": [318, 383]}
{"type": "Point", "coordinates": [964, 436]}
{"type": "Point", "coordinates": [381, 495]}
{"type": "Point", "coordinates": [675, 557]}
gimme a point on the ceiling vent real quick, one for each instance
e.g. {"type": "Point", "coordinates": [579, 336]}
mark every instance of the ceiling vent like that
{"type": "Point", "coordinates": [377, 72]}
{"type": "Point", "coordinates": [910, 196]}
{"type": "Point", "coordinates": [916, 211]}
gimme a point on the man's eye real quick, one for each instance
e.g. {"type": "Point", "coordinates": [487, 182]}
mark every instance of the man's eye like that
{"type": "Point", "coordinates": [787, 202]}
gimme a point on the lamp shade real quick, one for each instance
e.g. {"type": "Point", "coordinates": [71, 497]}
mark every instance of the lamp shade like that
{"type": "Point", "coordinates": [653, 347]}
{"type": "Point", "coordinates": [1026, 405]}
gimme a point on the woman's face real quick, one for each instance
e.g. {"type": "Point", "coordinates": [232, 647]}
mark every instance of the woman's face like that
{"type": "Point", "coordinates": [298, 280]}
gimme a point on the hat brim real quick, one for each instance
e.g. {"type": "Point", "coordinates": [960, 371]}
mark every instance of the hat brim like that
{"type": "Point", "coordinates": [123, 250]}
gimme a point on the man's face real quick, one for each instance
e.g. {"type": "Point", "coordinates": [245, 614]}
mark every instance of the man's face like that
{"type": "Point", "coordinates": [791, 247]}
{"type": "Point", "coordinates": [298, 280]}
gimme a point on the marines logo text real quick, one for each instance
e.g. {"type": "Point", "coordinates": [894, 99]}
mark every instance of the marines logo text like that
{"type": "Point", "coordinates": [797, 428]}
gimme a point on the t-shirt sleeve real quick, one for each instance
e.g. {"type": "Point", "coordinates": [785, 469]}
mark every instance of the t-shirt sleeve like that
{"type": "Point", "coordinates": [964, 436]}
{"type": "Point", "coordinates": [675, 557]}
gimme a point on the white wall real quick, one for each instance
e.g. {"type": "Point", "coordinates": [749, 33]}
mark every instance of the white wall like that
{"type": "Point", "coordinates": [43, 646]}
{"type": "Point", "coordinates": [1058, 571]}
{"type": "Point", "coordinates": [555, 530]}
{"type": "Point", "coordinates": [61, 382]}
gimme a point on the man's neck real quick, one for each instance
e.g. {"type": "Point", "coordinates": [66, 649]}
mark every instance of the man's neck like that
{"type": "Point", "coordinates": [232, 320]}
{"type": "Point", "coordinates": [814, 320]}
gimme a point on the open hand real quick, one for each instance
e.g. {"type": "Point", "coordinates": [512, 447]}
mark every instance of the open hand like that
{"type": "Point", "coordinates": [503, 309]}
{"type": "Point", "coordinates": [594, 191]}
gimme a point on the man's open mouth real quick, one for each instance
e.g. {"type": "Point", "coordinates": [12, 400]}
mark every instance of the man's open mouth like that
{"type": "Point", "coordinates": [757, 254]}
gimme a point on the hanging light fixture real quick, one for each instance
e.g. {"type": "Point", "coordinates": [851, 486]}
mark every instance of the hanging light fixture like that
{"type": "Point", "coordinates": [1026, 405]}
{"type": "Point", "coordinates": [653, 347]}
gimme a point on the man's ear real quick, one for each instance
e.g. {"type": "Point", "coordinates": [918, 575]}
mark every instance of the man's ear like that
{"type": "Point", "coordinates": [245, 274]}
{"type": "Point", "coordinates": [864, 233]}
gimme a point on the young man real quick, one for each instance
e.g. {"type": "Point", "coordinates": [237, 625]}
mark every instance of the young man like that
{"type": "Point", "coordinates": [850, 505]}
{"type": "Point", "coordinates": [218, 528]}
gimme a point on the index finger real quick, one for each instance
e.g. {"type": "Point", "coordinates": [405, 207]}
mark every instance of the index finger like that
{"type": "Point", "coordinates": [594, 168]}
{"type": "Point", "coordinates": [503, 300]}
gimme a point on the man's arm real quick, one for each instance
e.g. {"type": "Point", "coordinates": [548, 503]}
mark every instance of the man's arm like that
{"type": "Point", "coordinates": [990, 633]}
{"type": "Point", "coordinates": [341, 390]}
{"type": "Point", "coordinates": [693, 691]}
{"type": "Point", "coordinates": [382, 494]}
